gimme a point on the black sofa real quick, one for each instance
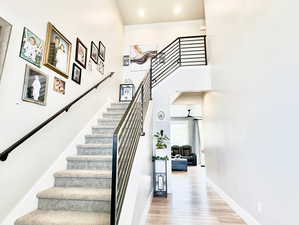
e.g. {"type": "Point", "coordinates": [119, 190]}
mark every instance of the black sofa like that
{"type": "Point", "coordinates": [184, 152]}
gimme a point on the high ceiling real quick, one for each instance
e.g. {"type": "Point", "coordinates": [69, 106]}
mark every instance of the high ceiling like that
{"type": "Point", "coordinates": [156, 11]}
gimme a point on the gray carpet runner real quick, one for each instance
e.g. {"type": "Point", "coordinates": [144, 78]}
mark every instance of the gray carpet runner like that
{"type": "Point", "coordinates": [81, 193]}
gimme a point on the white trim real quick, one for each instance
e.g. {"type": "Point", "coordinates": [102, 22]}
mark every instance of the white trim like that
{"type": "Point", "coordinates": [29, 202]}
{"type": "Point", "coordinates": [147, 208]}
{"type": "Point", "coordinates": [249, 219]}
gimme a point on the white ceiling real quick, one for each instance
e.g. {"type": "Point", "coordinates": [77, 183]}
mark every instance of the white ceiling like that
{"type": "Point", "coordinates": [156, 11]}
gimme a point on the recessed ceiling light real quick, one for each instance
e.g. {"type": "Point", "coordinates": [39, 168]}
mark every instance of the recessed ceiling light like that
{"type": "Point", "coordinates": [177, 10]}
{"type": "Point", "coordinates": [141, 12]}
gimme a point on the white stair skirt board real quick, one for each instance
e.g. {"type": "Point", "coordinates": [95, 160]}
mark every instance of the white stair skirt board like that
{"type": "Point", "coordinates": [250, 220]}
{"type": "Point", "coordinates": [147, 209]}
{"type": "Point", "coordinates": [30, 201]}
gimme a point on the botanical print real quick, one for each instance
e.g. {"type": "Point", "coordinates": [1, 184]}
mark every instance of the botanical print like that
{"type": "Point", "coordinates": [35, 86]}
{"type": "Point", "coordinates": [58, 51]}
{"type": "Point", "coordinates": [126, 92]}
{"type": "Point", "coordinates": [101, 67]}
{"type": "Point", "coordinates": [102, 51]}
{"type": "Point", "coordinates": [31, 48]}
{"type": "Point", "coordinates": [94, 53]}
{"type": "Point", "coordinates": [5, 31]}
{"type": "Point", "coordinates": [81, 53]}
{"type": "Point", "coordinates": [141, 56]}
{"type": "Point", "coordinates": [76, 75]}
{"type": "Point", "coordinates": [59, 85]}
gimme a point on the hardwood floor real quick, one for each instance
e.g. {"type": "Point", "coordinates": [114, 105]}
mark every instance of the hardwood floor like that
{"type": "Point", "coordinates": [192, 203]}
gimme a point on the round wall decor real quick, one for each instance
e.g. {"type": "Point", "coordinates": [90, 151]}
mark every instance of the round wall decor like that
{"type": "Point", "coordinates": [161, 115]}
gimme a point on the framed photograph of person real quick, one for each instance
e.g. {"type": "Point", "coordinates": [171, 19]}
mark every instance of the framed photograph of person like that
{"type": "Point", "coordinates": [126, 60]}
{"type": "Point", "coordinates": [94, 52]}
{"type": "Point", "coordinates": [81, 53]}
{"type": "Point", "coordinates": [101, 67]}
{"type": "Point", "coordinates": [76, 74]}
{"type": "Point", "coordinates": [102, 51]}
{"type": "Point", "coordinates": [31, 48]}
{"type": "Point", "coordinates": [35, 86]}
{"type": "Point", "coordinates": [126, 92]}
{"type": "Point", "coordinates": [5, 31]}
{"type": "Point", "coordinates": [57, 52]}
{"type": "Point", "coordinates": [59, 86]}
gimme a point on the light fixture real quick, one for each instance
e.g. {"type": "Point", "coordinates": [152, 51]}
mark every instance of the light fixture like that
{"type": "Point", "coordinates": [141, 12]}
{"type": "Point", "coordinates": [177, 10]}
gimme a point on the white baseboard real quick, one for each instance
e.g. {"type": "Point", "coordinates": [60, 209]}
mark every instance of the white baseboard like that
{"type": "Point", "coordinates": [250, 220]}
{"type": "Point", "coordinates": [147, 209]}
{"type": "Point", "coordinates": [29, 202]}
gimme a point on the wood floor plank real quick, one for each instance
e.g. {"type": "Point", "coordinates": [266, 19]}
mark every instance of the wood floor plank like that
{"type": "Point", "coordinates": [192, 202]}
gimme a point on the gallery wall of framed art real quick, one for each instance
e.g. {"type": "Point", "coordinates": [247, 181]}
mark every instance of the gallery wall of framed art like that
{"type": "Point", "coordinates": [25, 100]}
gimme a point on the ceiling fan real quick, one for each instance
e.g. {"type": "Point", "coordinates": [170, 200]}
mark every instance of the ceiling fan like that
{"type": "Point", "coordinates": [192, 117]}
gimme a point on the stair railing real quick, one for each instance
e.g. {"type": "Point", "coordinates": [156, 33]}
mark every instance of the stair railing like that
{"type": "Point", "coordinates": [183, 51]}
{"type": "Point", "coordinates": [125, 141]}
{"type": "Point", "coordinates": [4, 155]}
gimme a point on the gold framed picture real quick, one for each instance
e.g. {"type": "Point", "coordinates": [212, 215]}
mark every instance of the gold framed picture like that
{"type": "Point", "coordinates": [58, 52]}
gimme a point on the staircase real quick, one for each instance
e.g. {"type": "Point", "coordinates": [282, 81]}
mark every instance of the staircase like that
{"type": "Point", "coordinates": [82, 193]}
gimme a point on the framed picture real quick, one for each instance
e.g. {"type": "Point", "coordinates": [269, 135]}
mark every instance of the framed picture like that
{"type": "Point", "coordinates": [101, 67]}
{"type": "Point", "coordinates": [102, 51]}
{"type": "Point", "coordinates": [59, 86]}
{"type": "Point", "coordinates": [81, 53]}
{"type": "Point", "coordinates": [35, 86]}
{"type": "Point", "coordinates": [76, 74]}
{"type": "Point", "coordinates": [94, 52]}
{"type": "Point", "coordinates": [57, 52]}
{"type": "Point", "coordinates": [5, 31]}
{"type": "Point", "coordinates": [126, 60]}
{"type": "Point", "coordinates": [31, 48]}
{"type": "Point", "coordinates": [126, 92]}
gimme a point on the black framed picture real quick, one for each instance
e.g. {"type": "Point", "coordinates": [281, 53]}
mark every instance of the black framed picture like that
{"type": "Point", "coordinates": [94, 53]}
{"type": "Point", "coordinates": [126, 92]}
{"type": "Point", "coordinates": [76, 74]}
{"type": "Point", "coordinates": [102, 51]}
{"type": "Point", "coordinates": [81, 53]}
{"type": "Point", "coordinates": [126, 60]}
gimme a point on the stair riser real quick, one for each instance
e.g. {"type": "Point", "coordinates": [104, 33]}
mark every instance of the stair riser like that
{"type": "Point", "coordinates": [117, 110]}
{"type": "Point", "coordinates": [83, 182]}
{"type": "Point", "coordinates": [89, 165]}
{"type": "Point", "coordinates": [98, 140]}
{"type": "Point", "coordinates": [112, 116]}
{"type": "Point", "coordinates": [94, 151]}
{"type": "Point", "coordinates": [113, 123]}
{"type": "Point", "coordinates": [103, 131]}
{"type": "Point", "coordinates": [74, 205]}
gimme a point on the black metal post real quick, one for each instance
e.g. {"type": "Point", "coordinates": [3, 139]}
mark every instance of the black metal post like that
{"type": "Point", "coordinates": [113, 215]}
{"type": "Point", "coordinates": [142, 109]}
{"type": "Point", "coordinates": [206, 55]}
{"type": "Point", "coordinates": [180, 52]}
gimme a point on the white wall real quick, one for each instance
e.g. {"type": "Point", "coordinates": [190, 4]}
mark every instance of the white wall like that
{"type": "Point", "coordinates": [157, 34]}
{"type": "Point", "coordinates": [140, 188]}
{"type": "Point", "coordinates": [94, 20]}
{"type": "Point", "coordinates": [252, 139]}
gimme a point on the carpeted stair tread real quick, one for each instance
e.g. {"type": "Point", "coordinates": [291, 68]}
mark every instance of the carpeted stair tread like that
{"type": "Point", "coordinates": [45, 217]}
{"type": "Point", "coordinates": [76, 193]}
{"type": "Point", "coordinates": [95, 146]}
{"type": "Point", "coordinates": [84, 173]}
{"type": "Point", "coordinates": [90, 158]}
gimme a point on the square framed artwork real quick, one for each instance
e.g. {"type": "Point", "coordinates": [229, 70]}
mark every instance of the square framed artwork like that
{"type": "Point", "coordinates": [58, 52]}
{"type": "Point", "coordinates": [126, 92]}
{"type": "Point", "coordinates": [76, 74]}
{"type": "Point", "coordinates": [31, 48]}
{"type": "Point", "coordinates": [101, 67]}
{"type": "Point", "coordinates": [35, 88]}
{"type": "Point", "coordinates": [5, 31]}
{"type": "Point", "coordinates": [94, 52]}
{"type": "Point", "coordinates": [102, 51]}
{"type": "Point", "coordinates": [59, 86]}
{"type": "Point", "coordinates": [81, 53]}
{"type": "Point", "coordinates": [126, 60]}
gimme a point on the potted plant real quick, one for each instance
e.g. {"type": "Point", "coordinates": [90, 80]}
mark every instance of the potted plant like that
{"type": "Point", "coordinates": [161, 144]}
